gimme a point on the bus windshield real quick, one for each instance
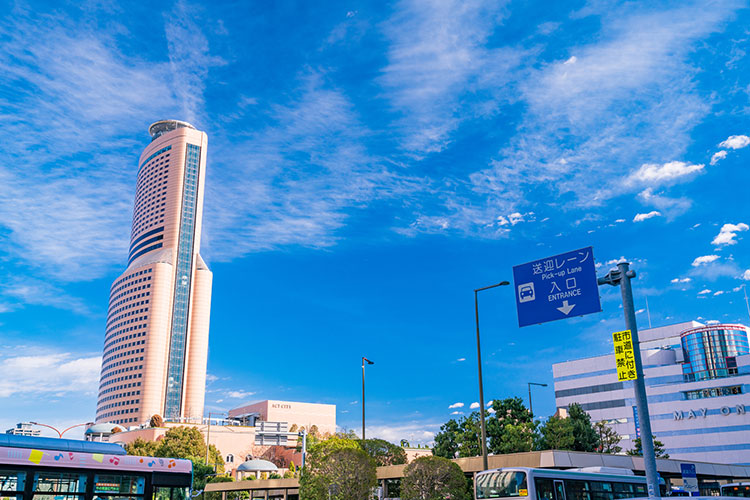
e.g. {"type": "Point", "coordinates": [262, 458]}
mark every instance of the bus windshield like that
{"type": "Point", "coordinates": [736, 490]}
{"type": "Point", "coordinates": [501, 484]}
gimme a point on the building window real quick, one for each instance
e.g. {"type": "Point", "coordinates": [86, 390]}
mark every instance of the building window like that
{"type": "Point", "coordinates": [714, 392]}
{"type": "Point", "coordinates": [230, 459]}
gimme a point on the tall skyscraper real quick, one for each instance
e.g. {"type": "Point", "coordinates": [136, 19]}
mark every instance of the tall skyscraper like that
{"type": "Point", "coordinates": [156, 340]}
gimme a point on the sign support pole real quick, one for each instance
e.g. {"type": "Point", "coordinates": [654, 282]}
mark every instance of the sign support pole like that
{"type": "Point", "coordinates": [622, 276]}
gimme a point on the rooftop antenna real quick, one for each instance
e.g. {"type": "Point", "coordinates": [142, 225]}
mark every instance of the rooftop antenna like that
{"type": "Point", "coordinates": [648, 313]}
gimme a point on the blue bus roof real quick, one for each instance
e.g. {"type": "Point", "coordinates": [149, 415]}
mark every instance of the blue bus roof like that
{"type": "Point", "coordinates": [14, 441]}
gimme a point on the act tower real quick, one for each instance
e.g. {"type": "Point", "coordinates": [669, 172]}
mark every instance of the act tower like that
{"type": "Point", "coordinates": [156, 339]}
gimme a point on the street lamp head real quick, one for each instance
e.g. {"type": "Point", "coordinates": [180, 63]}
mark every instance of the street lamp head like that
{"type": "Point", "coordinates": [368, 361]}
{"type": "Point", "coordinates": [504, 283]}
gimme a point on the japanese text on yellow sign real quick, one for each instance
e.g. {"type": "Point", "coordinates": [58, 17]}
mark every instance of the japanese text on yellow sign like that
{"type": "Point", "coordinates": [624, 357]}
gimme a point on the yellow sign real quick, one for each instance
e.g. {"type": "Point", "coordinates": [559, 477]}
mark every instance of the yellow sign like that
{"type": "Point", "coordinates": [36, 456]}
{"type": "Point", "coordinates": [98, 457]}
{"type": "Point", "coordinates": [523, 493]}
{"type": "Point", "coordinates": [624, 355]}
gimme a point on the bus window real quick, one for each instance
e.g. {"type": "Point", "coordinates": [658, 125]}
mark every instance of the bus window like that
{"type": "Point", "coordinates": [59, 486]}
{"type": "Point", "coordinates": [502, 484]}
{"type": "Point", "coordinates": [577, 490]}
{"type": "Point", "coordinates": [12, 484]}
{"type": "Point", "coordinates": [116, 487]}
{"type": "Point", "coordinates": [544, 489]}
{"type": "Point", "coordinates": [601, 490]}
{"type": "Point", "coordinates": [171, 493]}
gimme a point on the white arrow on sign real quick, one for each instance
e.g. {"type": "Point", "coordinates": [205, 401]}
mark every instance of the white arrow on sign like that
{"type": "Point", "coordinates": [566, 308]}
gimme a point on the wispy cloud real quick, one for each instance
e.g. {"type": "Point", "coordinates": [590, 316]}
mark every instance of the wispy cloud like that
{"type": "Point", "coordinates": [718, 156]}
{"type": "Point", "coordinates": [37, 292]}
{"type": "Point", "coordinates": [456, 405]}
{"type": "Point", "coordinates": [681, 280]}
{"type": "Point", "coordinates": [437, 53]}
{"type": "Point", "coordinates": [272, 197]}
{"type": "Point", "coordinates": [414, 432]}
{"type": "Point", "coordinates": [48, 372]}
{"type": "Point", "coordinates": [651, 174]}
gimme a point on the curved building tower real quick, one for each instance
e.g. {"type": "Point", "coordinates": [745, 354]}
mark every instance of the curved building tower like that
{"type": "Point", "coordinates": [156, 340]}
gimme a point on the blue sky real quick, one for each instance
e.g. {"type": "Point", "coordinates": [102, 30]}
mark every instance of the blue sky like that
{"type": "Point", "coordinates": [370, 164]}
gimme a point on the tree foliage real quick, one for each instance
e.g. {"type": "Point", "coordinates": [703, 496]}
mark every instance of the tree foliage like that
{"type": "Point", "coordinates": [507, 412]}
{"type": "Point", "coordinates": [383, 452]}
{"type": "Point", "coordinates": [609, 440]}
{"type": "Point", "coordinates": [434, 478]}
{"type": "Point", "coordinates": [556, 434]}
{"type": "Point", "coordinates": [585, 436]}
{"type": "Point", "coordinates": [182, 442]}
{"type": "Point", "coordinates": [446, 440]}
{"type": "Point", "coordinates": [339, 468]}
{"type": "Point", "coordinates": [638, 450]}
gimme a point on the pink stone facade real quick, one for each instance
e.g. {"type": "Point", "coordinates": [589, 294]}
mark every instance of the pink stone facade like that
{"type": "Point", "coordinates": [138, 337]}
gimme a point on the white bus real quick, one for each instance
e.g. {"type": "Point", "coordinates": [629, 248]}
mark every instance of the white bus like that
{"type": "Point", "coordinates": [736, 490]}
{"type": "Point", "coordinates": [598, 483]}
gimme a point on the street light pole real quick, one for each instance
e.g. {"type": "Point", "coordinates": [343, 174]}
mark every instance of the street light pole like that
{"type": "Point", "coordinates": [479, 368]}
{"type": "Point", "coordinates": [531, 408]}
{"type": "Point", "coordinates": [364, 359]}
{"type": "Point", "coordinates": [622, 276]}
{"type": "Point", "coordinates": [59, 434]}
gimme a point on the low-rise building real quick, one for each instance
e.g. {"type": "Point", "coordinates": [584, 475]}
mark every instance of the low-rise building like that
{"type": "Point", "coordinates": [697, 381]}
{"type": "Point", "coordinates": [24, 429]}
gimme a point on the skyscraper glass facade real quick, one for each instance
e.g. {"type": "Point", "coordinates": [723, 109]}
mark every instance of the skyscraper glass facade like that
{"type": "Point", "coordinates": [711, 352]}
{"type": "Point", "coordinates": [156, 339]}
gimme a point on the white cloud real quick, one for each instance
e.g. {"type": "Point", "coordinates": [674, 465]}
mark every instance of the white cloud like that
{"type": "Point", "coordinates": [651, 174]}
{"type": "Point", "coordinates": [649, 215]}
{"type": "Point", "coordinates": [239, 394]}
{"type": "Point", "coordinates": [33, 291]}
{"type": "Point", "coordinates": [619, 221]}
{"type": "Point", "coordinates": [704, 291]}
{"type": "Point", "coordinates": [456, 405]}
{"type": "Point", "coordinates": [461, 359]}
{"type": "Point", "coordinates": [681, 280]}
{"type": "Point", "coordinates": [735, 142]}
{"type": "Point", "coordinates": [457, 412]}
{"type": "Point", "coordinates": [720, 292]}
{"type": "Point", "coordinates": [474, 406]}
{"type": "Point", "coordinates": [728, 233]}
{"type": "Point", "coordinates": [640, 311]}
{"type": "Point", "coordinates": [491, 410]}
{"type": "Point", "coordinates": [704, 259]}
{"type": "Point", "coordinates": [746, 275]}
{"type": "Point", "coordinates": [48, 372]}
{"type": "Point", "coordinates": [572, 60]}
{"type": "Point", "coordinates": [414, 432]}
{"type": "Point", "coordinates": [718, 156]}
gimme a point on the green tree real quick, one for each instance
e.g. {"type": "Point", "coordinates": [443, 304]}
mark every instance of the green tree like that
{"type": "Point", "coordinates": [586, 437]}
{"type": "Point", "coordinates": [518, 438]}
{"type": "Point", "coordinates": [434, 478]}
{"type": "Point", "coordinates": [314, 431]}
{"type": "Point", "coordinates": [509, 411]}
{"type": "Point", "coordinates": [339, 468]}
{"type": "Point", "coordinates": [383, 452]}
{"type": "Point", "coordinates": [609, 440]}
{"type": "Point", "coordinates": [638, 450]}
{"type": "Point", "coordinates": [557, 434]}
{"type": "Point", "coordinates": [470, 436]}
{"type": "Point", "coordinates": [446, 440]}
{"type": "Point", "coordinates": [141, 448]}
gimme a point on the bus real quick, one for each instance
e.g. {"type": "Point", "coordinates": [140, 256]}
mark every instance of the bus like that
{"type": "Point", "coordinates": [736, 490]}
{"type": "Point", "coordinates": [36, 468]}
{"type": "Point", "coordinates": [523, 483]}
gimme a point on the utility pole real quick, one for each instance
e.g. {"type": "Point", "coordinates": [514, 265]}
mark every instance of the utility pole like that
{"type": "Point", "coordinates": [364, 359]}
{"type": "Point", "coordinates": [622, 276]}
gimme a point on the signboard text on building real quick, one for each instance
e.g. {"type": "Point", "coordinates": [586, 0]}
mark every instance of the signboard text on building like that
{"type": "Point", "coordinates": [624, 355]}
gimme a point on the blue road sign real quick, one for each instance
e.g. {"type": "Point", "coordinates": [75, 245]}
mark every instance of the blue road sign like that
{"type": "Point", "coordinates": [689, 478]}
{"type": "Point", "coordinates": [556, 287]}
